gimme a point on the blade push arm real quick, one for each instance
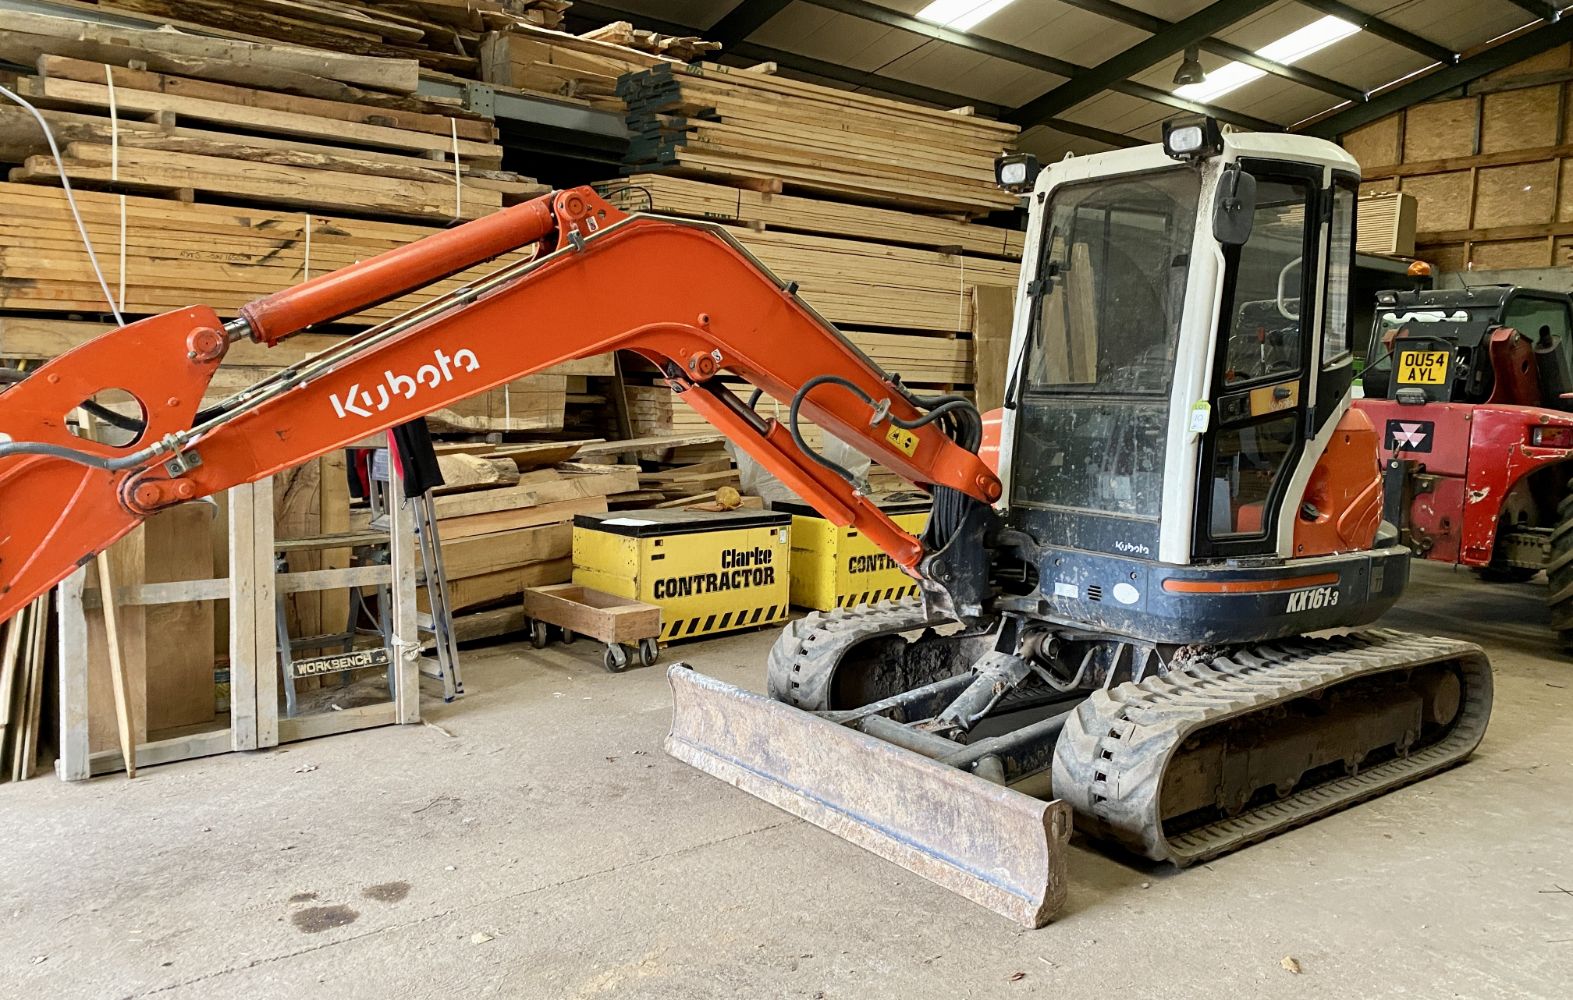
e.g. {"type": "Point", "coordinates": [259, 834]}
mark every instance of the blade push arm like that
{"type": "Point", "coordinates": [685, 296]}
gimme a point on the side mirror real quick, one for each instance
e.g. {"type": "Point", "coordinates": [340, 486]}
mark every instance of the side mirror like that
{"type": "Point", "coordinates": [1234, 210]}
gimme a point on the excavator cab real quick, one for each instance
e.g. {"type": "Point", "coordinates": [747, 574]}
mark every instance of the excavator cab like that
{"type": "Point", "coordinates": [1182, 370]}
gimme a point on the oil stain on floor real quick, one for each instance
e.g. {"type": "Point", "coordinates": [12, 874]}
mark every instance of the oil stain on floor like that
{"type": "Point", "coordinates": [316, 919]}
{"type": "Point", "coordinates": [387, 892]}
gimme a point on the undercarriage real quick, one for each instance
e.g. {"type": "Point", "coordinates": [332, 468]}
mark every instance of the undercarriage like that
{"type": "Point", "coordinates": [1175, 753]}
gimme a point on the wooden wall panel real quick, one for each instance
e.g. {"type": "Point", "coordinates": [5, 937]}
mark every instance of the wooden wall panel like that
{"type": "Point", "coordinates": [1548, 61]}
{"type": "Point", "coordinates": [1491, 170]}
{"type": "Point", "coordinates": [1565, 192]}
{"type": "Point", "coordinates": [1522, 195]}
{"type": "Point", "coordinates": [1520, 119]}
{"type": "Point", "coordinates": [1375, 145]}
{"type": "Point", "coordinates": [1511, 254]}
{"type": "Point", "coordinates": [1442, 200]}
{"type": "Point", "coordinates": [1440, 129]}
{"type": "Point", "coordinates": [1447, 257]}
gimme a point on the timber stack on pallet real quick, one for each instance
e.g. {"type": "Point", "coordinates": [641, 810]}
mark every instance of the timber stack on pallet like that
{"type": "Point", "coordinates": [140, 111]}
{"type": "Point", "coordinates": [579, 69]}
{"type": "Point", "coordinates": [752, 128]}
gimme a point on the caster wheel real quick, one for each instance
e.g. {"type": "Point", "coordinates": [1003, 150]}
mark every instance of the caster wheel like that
{"type": "Point", "coordinates": [649, 652]}
{"type": "Point", "coordinates": [568, 637]}
{"type": "Point", "coordinates": [538, 634]}
{"type": "Point", "coordinates": [616, 659]}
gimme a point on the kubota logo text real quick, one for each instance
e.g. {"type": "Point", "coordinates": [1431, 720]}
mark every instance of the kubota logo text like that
{"type": "Point", "coordinates": [362, 403]}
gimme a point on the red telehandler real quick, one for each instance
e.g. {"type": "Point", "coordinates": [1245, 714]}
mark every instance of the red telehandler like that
{"type": "Point", "coordinates": [1472, 389]}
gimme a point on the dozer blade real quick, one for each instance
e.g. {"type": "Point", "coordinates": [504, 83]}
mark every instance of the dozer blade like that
{"type": "Point", "coordinates": [986, 842]}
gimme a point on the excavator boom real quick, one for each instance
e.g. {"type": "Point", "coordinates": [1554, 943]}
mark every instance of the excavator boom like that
{"type": "Point", "coordinates": [683, 295]}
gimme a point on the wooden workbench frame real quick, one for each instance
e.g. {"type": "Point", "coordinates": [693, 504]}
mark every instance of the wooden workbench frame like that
{"type": "Point", "coordinates": [251, 589]}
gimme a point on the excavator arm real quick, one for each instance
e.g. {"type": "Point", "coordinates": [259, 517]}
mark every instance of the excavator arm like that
{"type": "Point", "coordinates": [684, 295]}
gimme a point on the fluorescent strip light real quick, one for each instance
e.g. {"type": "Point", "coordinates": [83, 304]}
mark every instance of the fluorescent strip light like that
{"type": "Point", "coordinates": [961, 14]}
{"type": "Point", "coordinates": [1287, 50]}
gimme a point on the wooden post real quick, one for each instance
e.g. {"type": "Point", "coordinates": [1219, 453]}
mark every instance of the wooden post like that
{"type": "Point", "coordinates": [265, 644]}
{"type": "Point", "coordinates": [406, 632]}
{"type": "Point", "coordinates": [117, 667]}
{"type": "Point", "coordinates": [75, 760]}
{"type": "Point", "coordinates": [244, 522]}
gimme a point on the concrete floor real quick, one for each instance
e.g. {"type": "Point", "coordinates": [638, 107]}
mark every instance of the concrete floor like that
{"type": "Point", "coordinates": [548, 848]}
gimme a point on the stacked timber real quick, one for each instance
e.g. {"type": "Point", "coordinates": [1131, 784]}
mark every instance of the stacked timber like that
{"type": "Point", "coordinates": [439, 34]}
{"type": "Point", "coordinates": [506, 513]}
{"type": "Point", "coordinates": [24, 650]}
{"type": "Point", "coordinates": [754, 129]}
{"type": "Point", "coordinates": [572, 68]}
{"type": "Point", "coordinates": [684, 48]}
{"type": "Point", "coordinates": [221, 120]}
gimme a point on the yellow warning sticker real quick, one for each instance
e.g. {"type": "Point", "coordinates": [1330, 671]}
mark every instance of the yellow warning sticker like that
{"type": "Point", "coordinates": [905, 441]}
{"type": "Point", "coordinates": [1422, 367]}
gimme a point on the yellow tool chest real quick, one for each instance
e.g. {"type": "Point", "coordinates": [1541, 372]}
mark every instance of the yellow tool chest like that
{"type": "Point", "coordinates": [834, 567]}
{"type": "Point", "coordinates": [708, 572]}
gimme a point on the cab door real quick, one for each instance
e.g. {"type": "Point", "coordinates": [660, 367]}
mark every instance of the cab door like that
{"type": "Point", "coordinates": [1261, 379]}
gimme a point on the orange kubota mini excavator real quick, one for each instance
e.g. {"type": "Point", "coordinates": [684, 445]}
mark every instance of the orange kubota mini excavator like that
{"type": "Point", "coordinates": [1114, 626]}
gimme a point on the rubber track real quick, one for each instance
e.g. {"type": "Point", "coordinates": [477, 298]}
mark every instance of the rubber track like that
{"type": "Point", "coordinates": [805, 657]}
{"type": "Point", "coordinates": [1111, 760]}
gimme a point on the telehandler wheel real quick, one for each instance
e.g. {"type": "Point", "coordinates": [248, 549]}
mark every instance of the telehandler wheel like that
{"type": "Point", "coordinates": [1559, 571]}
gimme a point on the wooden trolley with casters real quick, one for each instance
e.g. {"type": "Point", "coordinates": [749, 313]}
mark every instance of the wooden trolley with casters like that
{"type": "Point", "coordinates": [629, 628]}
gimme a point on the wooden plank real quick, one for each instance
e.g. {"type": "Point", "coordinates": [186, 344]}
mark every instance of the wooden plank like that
{"type": "Point", "coordinates": [396, 75]}
{"type": "Point", "coordinates": [261, 119]}
{"type": "Point", "coordinates": [245, 519]}
{"type": "Point", "coordinates": [696, 199]}
{"type": "Point", "coordinates": [127, 567]}
{"type": "Point", "coordinates": [511, 583]}
{"type": "Point", "coordinates": [478, 555]}
{"type": "Point", "coordinates": [405, 634]}
{"type": "Point", "coordinates": [74, 762]}
{"type": "Point", "coordinates": [994, 309]}
{"type": "Point", "coordinates": [125, 724]}
{"type": "Point", "coordinates": [532, 493]}
{"type": "Point", "coordinates": [95, 72]}
{"type": "Point", "coordinates": [461, 473]}
{"type": "Point", "coordinates": [523, 517]}
{"type": "Point", "coordinates": [274, 183]}
{"type": "Point", "coordinates": [310, 727]}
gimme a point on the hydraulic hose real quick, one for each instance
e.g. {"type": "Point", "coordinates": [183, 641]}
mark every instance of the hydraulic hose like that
{"type": "Point", "coordinates": [959, 420]}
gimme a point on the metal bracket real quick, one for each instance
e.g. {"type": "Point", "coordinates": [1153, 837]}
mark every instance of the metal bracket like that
{"type": "Point", "coordinates": [481, 99]}
{"type": "Point", "coordinates": [183, 462]}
